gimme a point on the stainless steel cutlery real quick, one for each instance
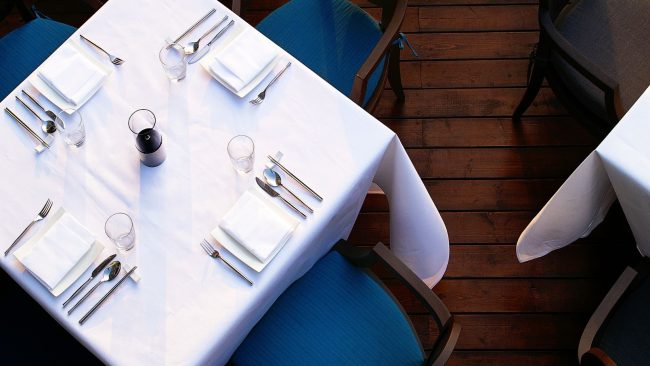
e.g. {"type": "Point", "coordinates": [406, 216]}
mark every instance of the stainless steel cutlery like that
{"type": "Point", "coordinates": [262, 94]}
{"type": "Point", "coordinates": [48, 126]}
{"type": "Point", "coordinates": [271, 192]}
{"type": "Point", "coordinates": [101, 301]}
{"type": "Point", "coordinates": [214, 253]}
{"type": "Point", "coordinates": [114, 59]}
{"type": "Point", "coordinates": [274, 179]}
{"type": "Point", "coordinates": [94, 274]}
{"type": "Point", "coordinates": [39, 148]}
{"type": "Point", "coordinates": [206, 16]}
{"type": "Point", "coordinates": [277, 163]}
{"type": "Point", "coordinates": [110, 273]}
{"type": "Point", "coordinates": [41, 215]}
{"type": "Point", "coordinates": [192, 47]}
{"type": "Point", "coordinates": [49, 113]}
{"type": "Point", "coordinates": [203, 51]}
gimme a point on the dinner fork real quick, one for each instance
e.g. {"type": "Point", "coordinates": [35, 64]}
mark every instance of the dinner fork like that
{"type": "Point", "coordinates": [262, 95]}
{"type": "Point", "coordinates": [114, 59]}
{"type": "Point", "coordinates": [41, 215]}
{"type": "Point", "coordinates": [212, 252]}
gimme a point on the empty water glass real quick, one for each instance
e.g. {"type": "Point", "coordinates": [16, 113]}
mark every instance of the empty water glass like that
{"type": "Point", "coordinates": [174, 61]}
{"type": "Point", "coordinates": [241, 150]}
{"type": "Point", "coordinates": [70, 125]}
{"type": "Point", "coordinates": [119, 228]}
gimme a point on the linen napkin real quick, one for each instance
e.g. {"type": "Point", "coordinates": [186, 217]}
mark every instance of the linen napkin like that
{"type": "Point", "coordinates": [243, 59]}
{"type": "Point", "coordinates": [255, 226]}
{"type": "Point", "coordinates": [58, 251]}
{"type": "Point", "coordinates": [72, 75]}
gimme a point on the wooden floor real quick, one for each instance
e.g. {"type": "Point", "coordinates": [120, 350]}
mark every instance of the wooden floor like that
{"type": "Point", "coordinates": [488, 177]}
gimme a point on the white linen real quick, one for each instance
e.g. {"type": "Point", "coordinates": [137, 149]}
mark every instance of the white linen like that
{"type": "Point", "coordinates": [163, 319]}
{"type": "Point", "coordinates": [71, 74]}
{"type": "Point", "coordinates": [243, 59]}
{"type": "Point", "coordinates": [255, 226]}
{"type": "Point", "coordinates": [618, 168]}
{"type": "Point", "coordinates": [58, 251]}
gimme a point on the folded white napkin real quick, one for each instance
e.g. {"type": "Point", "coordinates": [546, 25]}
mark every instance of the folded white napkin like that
{"type": "Point", "coordinates": [72, 75]}
{"type": "Point", "coordinates": [243, 59]}
{"type": "Point", "coordinates": [58, 251]}
{"type": "Point", "coordinates": [255, 226]}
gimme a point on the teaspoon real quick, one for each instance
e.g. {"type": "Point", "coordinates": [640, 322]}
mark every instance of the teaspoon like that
{"type": "Point", "coordinates": [47, 126]}
{"type": "Point", "coordinates": [274, 179]}
{"type": "Point", "coordinates": [110, 273]}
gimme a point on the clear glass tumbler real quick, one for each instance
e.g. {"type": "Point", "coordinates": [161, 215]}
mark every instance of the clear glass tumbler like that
{"type": "Point", "coordinates": [241, 150]}
{"type": "Point", "coordinates": [119, 228]}
{"type": "Point", "coordinates": [70, 124]}
{"type": "Point", "coordinates": [174, 61]}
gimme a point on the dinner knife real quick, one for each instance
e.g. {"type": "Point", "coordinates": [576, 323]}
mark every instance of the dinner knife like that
{"type": "Point", "coordinates": [271, 192]}
{"type": "Point", "coordinates": [204, 50]}
{"type": "Point", "coordinates": [94, 274]}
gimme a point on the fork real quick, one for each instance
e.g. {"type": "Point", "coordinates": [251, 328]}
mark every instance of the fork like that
{"type": "Point", "coordinates": [262, 95]}
{"type": "Point", "coordinates": [212, 252]}
{"type": "Point", "coordinates": [41, 215]}
{"type": "Point", "coordinates": [114, 59]}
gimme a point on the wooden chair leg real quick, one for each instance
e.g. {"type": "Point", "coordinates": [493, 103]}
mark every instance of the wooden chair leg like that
{"type": "Point", "coordinates": [394, 75]}
{"type": "Point", "coordinates": [537, 72]}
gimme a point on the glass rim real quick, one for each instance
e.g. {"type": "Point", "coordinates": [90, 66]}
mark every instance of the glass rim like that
{"type": "Point", "coordinates": [175, 46]}
{"type": "Point", "coordinates": [248, 138]}
{"type": "Point", "coordinates": [142, 110]}
{"type": "Point", "coordinates": [69, 113]}
{"type": "Point", "coordinates": [121, 214]}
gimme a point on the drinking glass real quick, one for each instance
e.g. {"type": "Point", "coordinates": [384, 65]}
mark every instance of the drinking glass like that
{"type": "Point", "coordinates": [174, 61]}
{"type": "Point", "coordinates": [119, 228]}
{"type": "Point", "coordinates": [241, 150]}
{"type": "Point", "coordinates": [70, 124]}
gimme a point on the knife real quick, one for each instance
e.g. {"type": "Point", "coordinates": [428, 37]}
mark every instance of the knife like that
{"type": "Point", "coordinates": [203, 51]}
{"type": "Point", "coordinates": [101, 301]}
{"type": "Point", "coordinates": [96, 271]}
{"type": "Point", "coordinates": [271, 192]}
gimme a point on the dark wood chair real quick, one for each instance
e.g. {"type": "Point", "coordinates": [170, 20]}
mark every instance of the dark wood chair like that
{"type": "Point", "coordinates": [594, 55]}
{"type": "Point", "coordinates": [618, 333]}
{"type": "Point", "coordinates": [342, 43]}
{"type": "Point", "coordinates": [340, 313]}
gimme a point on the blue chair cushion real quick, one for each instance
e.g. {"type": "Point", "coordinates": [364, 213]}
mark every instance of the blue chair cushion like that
{"type": "Point", "coordinates": [625, 336]}
{"type": "Point", "coordinates": [336, 314]}
{"type": "Point", "coordinates": [331, 37]}
{"type": "Point", "coordinates": [25, 48]}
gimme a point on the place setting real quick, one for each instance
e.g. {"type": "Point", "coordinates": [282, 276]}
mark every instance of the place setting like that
{"type": "Point", "coordinates": [63, 249]}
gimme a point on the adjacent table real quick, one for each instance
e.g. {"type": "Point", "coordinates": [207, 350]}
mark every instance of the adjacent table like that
{"type": "Point", "coordinates": [618, 168]}
{"type": "Point", "coordinates": [187, 308]}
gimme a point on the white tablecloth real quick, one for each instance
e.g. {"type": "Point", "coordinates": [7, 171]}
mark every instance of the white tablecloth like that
{"type": "Point", "coordinates": [618, 168]}
{"type": "Point", "coordinates": [189, 308]}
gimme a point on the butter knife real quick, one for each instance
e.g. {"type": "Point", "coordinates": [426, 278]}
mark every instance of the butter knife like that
{"type": "Point", "coordinates": [271, 192]}
{"type": "Point", "coordinates": [96, 271]}
{"type": "Point", "coordinates": [204, 50]}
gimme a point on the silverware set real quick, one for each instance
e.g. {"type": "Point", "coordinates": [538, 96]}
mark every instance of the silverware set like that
{"type": "Point", "coordinates": [192, 47]}
{"type": "Point", "coordinates": [204, 51]}
{"type": "Point", "coordinates": [214, 253]}
{"type": "Point", "coordinates": [42, 144]}
{"type": "Point", "coordinates": [40, 216]}
{"type": "Point", "coordinates": [114, 59]}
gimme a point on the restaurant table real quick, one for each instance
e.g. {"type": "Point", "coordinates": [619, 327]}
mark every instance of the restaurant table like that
{"type": "Point", "coordinates": [188, 308]}
{"type": "Point", "coordinates": [619, 168]}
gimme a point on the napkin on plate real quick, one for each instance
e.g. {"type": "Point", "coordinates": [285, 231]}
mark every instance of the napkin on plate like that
{"type": "Point", "coordinates": [72, 75]}
{"type": "Point", "coordinates": [255, 226]}
{"type": "Point", "coordinates": [243, 59]}
{"type": "Point", "coordinates": [58, 251]}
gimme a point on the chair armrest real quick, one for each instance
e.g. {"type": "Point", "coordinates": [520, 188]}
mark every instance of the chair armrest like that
{"type": "Point", "coordinates": [235, 6]}
{"type": "Point", "coordinates": [445, 345]}
{"type": "Point", "coordinates": [596, 357]}
{"type": "Point", "coordinates": [589, 70]}
{"type": "Point", "coordinates": [360, 82]}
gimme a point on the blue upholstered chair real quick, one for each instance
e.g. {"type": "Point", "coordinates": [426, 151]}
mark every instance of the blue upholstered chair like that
{"type": "Point", "coordinates": [341, 43]}
{"type": "Point", "coordinates": [25, 48]}
{"type": "Point", "coordinates": [339, 313]}
{"type": "Point", "coordinates": [618, 332]}
{"type": "Point", "coordinates": [594, 55]}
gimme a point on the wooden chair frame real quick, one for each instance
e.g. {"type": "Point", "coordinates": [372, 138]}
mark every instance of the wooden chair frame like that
{"type": "Point", "coordinates": [392, 17]}
{"type": "Point", "coordinates": [380, 254]}
{"type": "Point", "coordinates": [588, 355]}
{"type": "Point", "coordinates": [551, 42]}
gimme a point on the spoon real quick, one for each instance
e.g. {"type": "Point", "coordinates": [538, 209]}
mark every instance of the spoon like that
{"type": "Point", "coordinates": [47, 126]}
{"type": "Point", "coordinates": [274, 179]}
{"type": "Point", "coordinates": [110, 273]}
{"type": "Point", "coordinates": [194, 46]}
{"type": "Point", "coordinates": [49, 113]}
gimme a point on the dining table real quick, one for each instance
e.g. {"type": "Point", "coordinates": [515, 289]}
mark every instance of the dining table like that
{"type": "Point", "coordinates": [619, 168]}
{"type": "Point", "coordinates": [187, 308]}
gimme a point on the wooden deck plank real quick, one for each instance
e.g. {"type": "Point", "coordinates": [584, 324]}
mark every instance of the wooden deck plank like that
{"type": "Point", "coordinates": [478, 18]}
